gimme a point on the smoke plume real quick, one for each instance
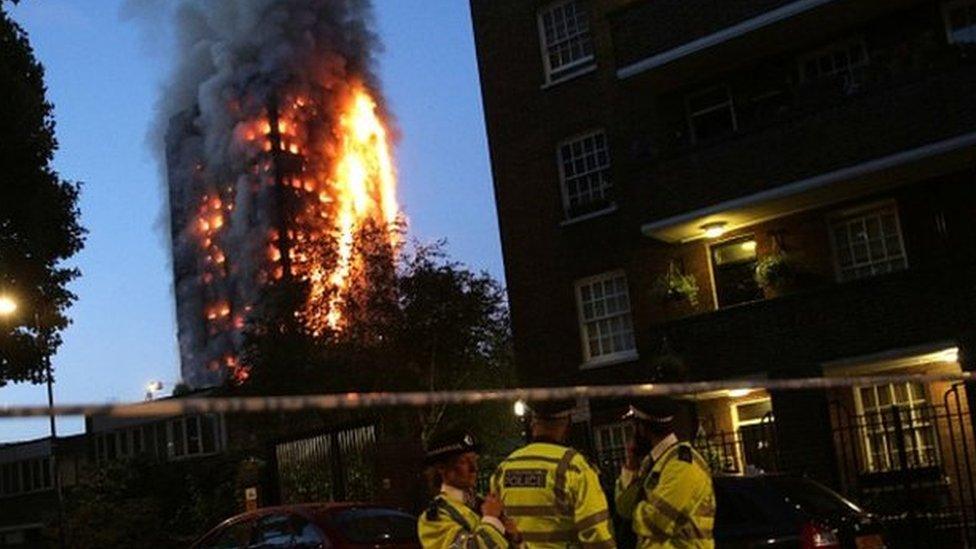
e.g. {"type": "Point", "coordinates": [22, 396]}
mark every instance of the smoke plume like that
{"type": "Point", "coordinates": [251, 120]}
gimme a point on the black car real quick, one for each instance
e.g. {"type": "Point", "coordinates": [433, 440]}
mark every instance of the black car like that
{"type": "Point", "coordinates": [785, 511]}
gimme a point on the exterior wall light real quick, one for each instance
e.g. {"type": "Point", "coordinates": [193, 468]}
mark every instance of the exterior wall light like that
{"type": "Point", "coordinates": [714, 230]}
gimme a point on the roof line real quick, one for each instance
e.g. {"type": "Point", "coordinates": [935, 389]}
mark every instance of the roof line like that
{"type": "Point", "coordinates": [724, 35]}
{"type": "Point", "coordinates": [821, 180]}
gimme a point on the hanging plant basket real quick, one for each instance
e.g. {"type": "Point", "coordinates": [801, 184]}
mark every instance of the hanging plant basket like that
{"type": "Point", "coordinates": [676, 286]}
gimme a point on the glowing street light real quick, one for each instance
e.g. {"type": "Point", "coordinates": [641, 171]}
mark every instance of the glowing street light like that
{"type": "Point", "coordinates": [7, 305]}
{"type": "Point", "coordinates": [152, 388]}
{"type": "Point", "coordinates": [519, 408]}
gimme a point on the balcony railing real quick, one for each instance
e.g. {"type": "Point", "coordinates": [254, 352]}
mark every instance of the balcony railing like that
{"type": "Point", "coordinates": [805, 329]}
{"type": "Point", "coordinates": [872, 113]}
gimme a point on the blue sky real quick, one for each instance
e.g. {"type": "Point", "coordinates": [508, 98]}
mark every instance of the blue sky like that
{"type": "Point", "coordinates": [103, 76]}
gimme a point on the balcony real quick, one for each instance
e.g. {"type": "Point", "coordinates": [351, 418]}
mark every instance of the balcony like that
{"type": "Point", "coordinates": [817, 141]}
{"type": "Point", "coordinates": [803, 330]}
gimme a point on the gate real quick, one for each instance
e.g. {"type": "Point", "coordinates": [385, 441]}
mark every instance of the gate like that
{"type": "Point", "coordinates": [338, 465]}
{"type": "Point", "coordinates": [913, 466]}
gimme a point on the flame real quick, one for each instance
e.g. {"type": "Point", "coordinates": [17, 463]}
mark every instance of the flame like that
{"type": "Point", "coordinates": [345, 181]}
{"type": "Point", "coordinates": [361, 187]}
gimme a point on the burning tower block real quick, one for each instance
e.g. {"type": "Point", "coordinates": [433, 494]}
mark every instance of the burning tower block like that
{"type": "Point", "coordinates": [277, 155]}
{"type": "Point", "coordinates": [295, 180]}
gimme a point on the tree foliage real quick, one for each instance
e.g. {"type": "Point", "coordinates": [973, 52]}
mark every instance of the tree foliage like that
{"type": "Point", "coordinates": [39, 227]}
{"type": "Point", "coordinates": [142, 502]}
{"type": "Point", "coordinates": [417, 321]}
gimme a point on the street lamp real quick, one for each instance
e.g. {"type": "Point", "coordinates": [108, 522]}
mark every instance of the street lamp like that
{"type": "Point", "coordinates": [152, 388]}
{"type": "Point", "coordinates": [519, 408]}
{"type": "Point", "coordinates": [9, 306]}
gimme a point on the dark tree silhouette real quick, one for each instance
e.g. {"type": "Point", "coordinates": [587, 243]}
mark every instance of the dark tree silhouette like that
{"type": "Point", "coordinates": [39, 227]}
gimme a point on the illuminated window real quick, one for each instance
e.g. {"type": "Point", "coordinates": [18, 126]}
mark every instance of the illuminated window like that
{"type": "Point", "coordinates": [878, 404]}
{"type": "Point", "coordinates": [567, 49]}
{"type": "Point", "coordinates": [868, 243]}
{"type": "Point", "coordinates": [605, 319]}
{"type": "Point", "coordinates": [584, 169]}
{"type": "Point", "coordinates": [711, 114]}
{"type": "Point", "coordinates": [734, 269]}
{"type": "Point", "coordinates": [960, 21]}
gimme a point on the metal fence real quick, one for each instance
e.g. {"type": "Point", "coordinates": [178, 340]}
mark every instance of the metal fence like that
{"type": "Point", "coordinates": [911, 462]}
{"type": "Point", "coordinates": [338, 465]}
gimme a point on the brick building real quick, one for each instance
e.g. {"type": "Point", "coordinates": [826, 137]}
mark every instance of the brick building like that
{"type": "Point", "coordinates": [757, 189]}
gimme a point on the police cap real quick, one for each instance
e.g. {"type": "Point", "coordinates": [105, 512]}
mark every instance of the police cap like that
{"type": "Point", "coordinates": [657, 410]}
{"type": "Point", "coordinates": [553, 409]}
{"type": "Point", "coordinates": [449, 444]}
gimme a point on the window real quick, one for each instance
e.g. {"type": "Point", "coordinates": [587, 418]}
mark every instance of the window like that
{"type": "Point", "coordinates": [567, 49]}
{"type": "Point", "coordinates": [868, 243]}
{"type": "Point", "coordinates": [584, 169]}
{"type": "Point", "coordinates": [184, 436]}
{"type": "Point", "coordinates": [711, 114]}
{"type": "Point", "coordinates": [604, 314]}
{"type": "Point", "coordinates": [840, 60]}
{"type": "Point", "coordinates": [24, 476]}
{"type": "Point", "coordinates": [960, 21]}
{"type": "Point", "coordinates": [878, 426]}
{"type": "Point", "coordinates": [734, 269]}
{"type": "Point", "coordinates": [611, 445]}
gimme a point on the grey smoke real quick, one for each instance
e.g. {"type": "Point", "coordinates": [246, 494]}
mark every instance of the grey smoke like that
{"type": "Point", "coordinates": [231, 58]}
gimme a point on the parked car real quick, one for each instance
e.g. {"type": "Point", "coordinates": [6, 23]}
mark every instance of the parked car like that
{"type": "Point", "coordinates": [315, 526]}
{"type": "Point", "coordinates": [779, 511]}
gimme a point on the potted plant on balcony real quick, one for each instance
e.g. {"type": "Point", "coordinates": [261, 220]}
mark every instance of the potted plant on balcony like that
{"type": "Point", "coordinates": [676, 286]}
{"type": "Point", "coordinates": [775, 273]}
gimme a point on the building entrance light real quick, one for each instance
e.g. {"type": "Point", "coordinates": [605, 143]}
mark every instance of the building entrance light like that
{"type": "Point", "coordinates": [714, 230]}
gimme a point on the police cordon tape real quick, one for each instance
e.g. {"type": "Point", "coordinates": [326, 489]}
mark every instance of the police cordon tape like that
{"type": "Point", "coordinates": [347, 401]}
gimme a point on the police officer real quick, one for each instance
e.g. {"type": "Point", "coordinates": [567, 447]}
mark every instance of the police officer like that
{"type": "Point", "coordinates": [550, 491]}
{"type": "Point", "coordinates": [451, 520]}
{"type": "Point", "coordinates": [665, 487]}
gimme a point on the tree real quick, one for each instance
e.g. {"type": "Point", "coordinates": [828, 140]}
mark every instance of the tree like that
{"type": "Point", "coordinates": [427, 323]}
{"type": "Point", "coordinates": [39, 227]}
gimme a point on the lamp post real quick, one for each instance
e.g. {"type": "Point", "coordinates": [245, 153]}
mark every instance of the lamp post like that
{"type": "Point", "coordinates": [520, 409]}
{"type": "Point", "coordinates": [8, 307]}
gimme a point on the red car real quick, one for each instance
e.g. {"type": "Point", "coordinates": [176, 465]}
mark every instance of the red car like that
{"type": "Point", "coordinates": [315, 526]}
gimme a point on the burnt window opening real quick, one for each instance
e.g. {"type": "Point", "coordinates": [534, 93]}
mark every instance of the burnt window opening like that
{"type": "Point", "coordinates": [734, 270]}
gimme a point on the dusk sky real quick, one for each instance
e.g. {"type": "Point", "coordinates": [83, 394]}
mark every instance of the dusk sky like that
{"type": "Point", "coordinates": [103, 76]}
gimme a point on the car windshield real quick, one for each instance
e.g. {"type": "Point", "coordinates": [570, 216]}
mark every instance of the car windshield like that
{"type": "Point", "coordinates": [375, 526]}
{"type": "Point", "coordinates": [812, 497]}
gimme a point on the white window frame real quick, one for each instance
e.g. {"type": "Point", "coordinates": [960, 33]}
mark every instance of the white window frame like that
{"type": "Point", "coordinates": [851, 80]}
{"type": "Point", "coordinates": [947, 7]}
{"type": "Point", "coordinates": [199, 450]}
{"type": "Point", "coordinates": [17, 468]}
{"type": "Point", "coordinates": [729, 102]}
{"type": "Point", "coordinates": [564, 189]}
{"type": "Point", "coordinates": [617, 356]}
{"type": "Point", "coordinates": [845, 216]}
{"type": "Point", "coordinates": [891, 453]}
{"type": "Point", "coordinates": [626, 430]}
{"type": "Point", "coordinates": [575, 67]}
{"type": "Point", "coordinates": [740, 455]}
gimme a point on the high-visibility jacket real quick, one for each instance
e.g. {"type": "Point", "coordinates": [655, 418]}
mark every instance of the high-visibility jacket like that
{"type": "Point", "coordinates": [448, 524]}
{"type": "Point", "coordinates": [554, 497]}
{"type": "Point", "coordinates": [671, 501]}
